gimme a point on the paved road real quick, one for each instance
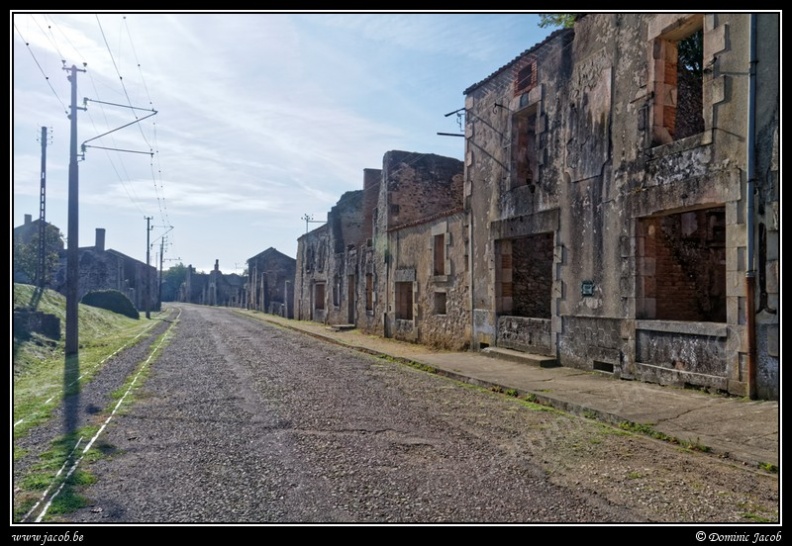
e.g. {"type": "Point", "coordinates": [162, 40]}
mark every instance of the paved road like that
{"type": "Point", "coordinates": [242, 422]}
{"type": "Point", "coordinates": [239, 421]}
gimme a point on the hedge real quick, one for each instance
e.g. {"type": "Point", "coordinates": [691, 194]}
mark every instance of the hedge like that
{"type": "Point", "coordinates": [112, 300]}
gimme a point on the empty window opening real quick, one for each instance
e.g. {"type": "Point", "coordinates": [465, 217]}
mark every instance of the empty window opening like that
{"type": "Point", "coordinates": [526, 171]}
{"type": "Point", "coordinates": [369, 292]}
{"type": "Point", "coordinates": [319, 296]}
{"type": "Point", "coordinates": [404, 300]}
{"type": "Point", "coordinates": [682, 266]}
{"type": "Point", "coordinates": [679, 58]}
{"type": "Point", "coordinates": [440, 303]}
{"type": "Point", "coordinates": [525, 276]}
{"type": "Point", "coordinates": [439, 254]}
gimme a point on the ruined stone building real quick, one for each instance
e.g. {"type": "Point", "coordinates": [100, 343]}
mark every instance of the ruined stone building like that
{"type": "Point", "coordinates": [420, 250]}
{"type": "Point", "coordinates": [26, 234]}
{"type": "Point", "coordinates": [390, 258]}
{"type": "Point", "coordinates": [618, 211]}
{"type": "Point", "coordinates": [621, 178]}
{"type": "Point", "coordinates": [103, 268]}
{"type": "Point", "coordinates": [100, 268]}
{"type": "Point", "coordinates": [271, 283]}
{"type": "Point", "coordinates": [213, 288]}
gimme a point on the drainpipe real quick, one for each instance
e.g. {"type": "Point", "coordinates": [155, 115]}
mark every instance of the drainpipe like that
{"type": "Point", "coordinates": [471, 262]}
{"type": "Point", "coordinates": [750, 274]}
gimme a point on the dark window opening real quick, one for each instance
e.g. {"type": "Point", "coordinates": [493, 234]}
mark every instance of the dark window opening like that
{"type": "Point", "coordinates": [690, 71]}
{"type": "Point", "coordinates": [439, 254]}
{"type": "Point", "coordinates": [686, 253]}
{"type": "Point", "coordinates": [526, 171]}
{"type": "Point", "coordinates": [404, 300]}
{"type": "Point", "coordinates": [525, 276]}
{"type": "Point", "coordinates": [679, 81]}
{"type": "Point", "coordinates": [440, 303]}
{"type": "Point", "coordinates": [369, 292]}
{"type": "Point", "coordinates": [319, 296]}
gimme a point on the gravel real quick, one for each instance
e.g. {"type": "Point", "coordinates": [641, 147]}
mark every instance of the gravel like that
{"type": "Point", "coordinates": [244, 422]}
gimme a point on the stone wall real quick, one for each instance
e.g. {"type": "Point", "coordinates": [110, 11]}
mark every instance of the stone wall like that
{"type": "Point", "coordinates": [607, 166]}
{"type": "Point", "coordinates": [271, 282]}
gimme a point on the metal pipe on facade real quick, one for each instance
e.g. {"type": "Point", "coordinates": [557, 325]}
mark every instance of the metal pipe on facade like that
{"type": "Point", "coordinates": [750, 273]}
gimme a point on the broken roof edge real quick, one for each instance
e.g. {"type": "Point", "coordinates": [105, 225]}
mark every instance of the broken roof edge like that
{"type": "Point", "coordinates": [552, 36]}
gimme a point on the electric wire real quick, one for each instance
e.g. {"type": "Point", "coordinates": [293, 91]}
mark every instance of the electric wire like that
{"type": "Point", "coordinates": [49, 83]}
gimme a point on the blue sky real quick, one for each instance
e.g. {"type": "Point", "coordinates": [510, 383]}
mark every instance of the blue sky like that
{"type": "Point", "coordinates": [262, 117]}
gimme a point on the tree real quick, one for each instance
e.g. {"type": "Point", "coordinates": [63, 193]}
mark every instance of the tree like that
{"type": "Point", "coordinates": [563, 20]}
{"type": "Point", "coordinates": [26, 256]}
{"type": "Point", "coordinates": [172, 279]}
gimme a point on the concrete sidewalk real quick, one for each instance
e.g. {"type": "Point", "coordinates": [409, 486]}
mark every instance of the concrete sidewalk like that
{"type": "Point", "coordinates": [740, 429]}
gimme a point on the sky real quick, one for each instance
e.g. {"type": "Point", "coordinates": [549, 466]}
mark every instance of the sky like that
{"type": "Point", "coordinates": [261, 118]}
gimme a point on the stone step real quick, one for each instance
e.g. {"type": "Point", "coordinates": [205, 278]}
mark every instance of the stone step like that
{"type": "Point", "coordinates": [543, 361]}
{"type": "Point", "coordinates": [341, 327]}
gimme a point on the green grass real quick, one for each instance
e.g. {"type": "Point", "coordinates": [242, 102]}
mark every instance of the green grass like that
{"type": "Point", "coordinates": [44, 473]}
{"type": "Point", "coordinates": [769, 467]}
{"type": "Point", "coordinates": [39, 364]}
{"type": "Point", "coordinates": [648, 430]}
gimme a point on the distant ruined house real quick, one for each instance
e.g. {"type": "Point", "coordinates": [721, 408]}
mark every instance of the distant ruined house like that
{"type": "Point", "coordinates": [271, 283]}
{"type": "Point", "coordinates": [213, 288]}
{"type": "Point", "coordinates": [103, 268]}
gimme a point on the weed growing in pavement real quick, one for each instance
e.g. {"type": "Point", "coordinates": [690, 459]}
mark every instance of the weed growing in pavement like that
{"type": "Point", "coordinates": [769, 467]}
{"type": "Point", "coordinates": [648, 430]}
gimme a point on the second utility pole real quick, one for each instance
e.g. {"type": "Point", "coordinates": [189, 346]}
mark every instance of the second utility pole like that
{"type": "Point", "coordinates": [147, 294]}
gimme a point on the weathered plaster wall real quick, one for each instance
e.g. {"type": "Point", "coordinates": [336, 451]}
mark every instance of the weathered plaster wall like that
{"type": "Point", "coordinates": [441, 316]}
{"type": "Point", "coordinates": [415, 188]}
{"type": "Point", "coordinates": [609, 168]}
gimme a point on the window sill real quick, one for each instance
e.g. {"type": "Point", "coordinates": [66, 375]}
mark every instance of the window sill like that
{"type": "Point", "coordinates": [677, 146]}
{"type": "Point", "coordinates": [713, 329]}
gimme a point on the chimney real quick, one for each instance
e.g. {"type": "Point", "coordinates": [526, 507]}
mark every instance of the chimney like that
{"type": "Point", "coordinates": [28, 219]}
{"type": "Point", "coordinates": [100, 239]}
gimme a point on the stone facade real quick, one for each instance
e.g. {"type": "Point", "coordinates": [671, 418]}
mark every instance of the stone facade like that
{"type": "Point", "coordinates": [606, 194]}
{"type": "Point", "coordinates": [108, 269]}
{"type": "Point", "coordinates": [420, 251]}
{"type": "Point", "coordinates": [271, 284]}
{"type": "Point", "coordinates": [405, 226]}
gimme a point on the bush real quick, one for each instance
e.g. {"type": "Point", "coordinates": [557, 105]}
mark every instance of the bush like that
{"type": "Point", "coordinates": [112, 300]}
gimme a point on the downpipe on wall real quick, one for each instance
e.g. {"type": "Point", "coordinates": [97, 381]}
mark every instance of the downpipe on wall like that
{"type": "Point", "coordinates": [750, 274]}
